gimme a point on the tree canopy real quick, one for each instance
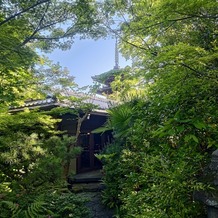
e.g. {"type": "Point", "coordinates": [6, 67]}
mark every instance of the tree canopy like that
{"type": "Point", "coordinates": [35, 156]}
{"type": "Point", "coordinates": [30, 26]}
{"type": "Point", "coordinates": [166, 130]}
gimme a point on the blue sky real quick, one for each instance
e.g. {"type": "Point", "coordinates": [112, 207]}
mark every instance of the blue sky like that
{"type": "Point", "coordinates": [87, 58]}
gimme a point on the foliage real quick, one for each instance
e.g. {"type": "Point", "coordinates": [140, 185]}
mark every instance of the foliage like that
{"type": "Point", "coordinates": [171, 126]}
{"type": "Point", "coordinates": [35, 209]}
{"type": "Point", "coordinates": [163, 137]}
{"type": "Point", "coordinates": [51, 204]}
{"type": "Point", "coordinates": [165, 140]}
{"type": "Point", "coordinates": [53, 80]}
{"type": "Point", "coordinates": [103, 77]}
{"type": "Point", "coordinates": [35, 157]}
{"type": "Point", "coordinates": [32, 161]}
{"type": "Point", "coordinates": [67, 205]}
{"type": "Point", "coordinates": [162, 173]}
{"type": "Point", "coordinates": [109, 158]}
{"type": "Point", "coordinates": [29, 27]}
{"type": "Point", "coordinates": [127, 86]}
{"type": "Point", "coordinates": [28, 153]}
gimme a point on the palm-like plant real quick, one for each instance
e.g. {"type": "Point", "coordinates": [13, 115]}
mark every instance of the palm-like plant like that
{"type": "Point", "coordinates": [120, 121]}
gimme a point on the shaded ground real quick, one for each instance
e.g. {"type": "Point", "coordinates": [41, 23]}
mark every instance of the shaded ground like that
{"type": "Point", "coordinates": [89, 185]}
{"type": "Point", "coordinates": [97, 209]}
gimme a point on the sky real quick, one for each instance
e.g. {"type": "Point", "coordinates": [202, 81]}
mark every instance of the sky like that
{"type": "Point", "coordinates": [87, 58]}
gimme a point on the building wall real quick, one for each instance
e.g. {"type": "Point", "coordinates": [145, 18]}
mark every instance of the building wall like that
{"type": "Point", "coordinates": [87, 160]}
{"type": "Point", "coordinates": [69, 122]}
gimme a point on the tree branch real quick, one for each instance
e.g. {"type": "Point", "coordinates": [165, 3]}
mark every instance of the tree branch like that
{"type": "Point", "coordinates": [192, 69]}
{"type": "Point", "coordinates": [23, 11]}
{"type": "Point", "coordinates": [38, 27]}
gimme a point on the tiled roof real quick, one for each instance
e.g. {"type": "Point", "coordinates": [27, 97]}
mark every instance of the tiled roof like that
{"type": "Point", "coordinates": [102, 103]}
{"type": "Point", "coordinates": [32, 104]}
{"type": "Point", "coordinates": [40, 102]}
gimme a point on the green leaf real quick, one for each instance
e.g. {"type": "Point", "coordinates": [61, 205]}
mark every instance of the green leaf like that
{"type": "Point", "coordinates": [101, 129]}
{"type": "Point", "coordinates": [191, 137]}
{"type": "Point", "coordinates": [199, 125]}
{"type": "Point", "coordinates": [180, 128]}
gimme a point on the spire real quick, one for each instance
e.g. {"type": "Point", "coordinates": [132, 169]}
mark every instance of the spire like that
{"type": "Point", "coordinates": [116, 67]}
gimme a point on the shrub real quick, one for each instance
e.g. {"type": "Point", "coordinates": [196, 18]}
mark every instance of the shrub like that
{"type": "Point", "coordinates": [53, 205]}
{"type": "Point", "coordinates": [152, 182]}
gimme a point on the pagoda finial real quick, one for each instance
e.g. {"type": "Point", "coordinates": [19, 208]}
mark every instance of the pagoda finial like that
{"type": "Point", "coordinates": [116, 56]}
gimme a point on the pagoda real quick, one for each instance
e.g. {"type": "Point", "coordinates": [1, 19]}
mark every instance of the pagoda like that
{"type": "Point", "coordinates": [105, 79]}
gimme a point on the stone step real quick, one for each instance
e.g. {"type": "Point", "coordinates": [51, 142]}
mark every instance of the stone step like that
{"type": "Point", "coordinates": [87, 180]}
{"type": "Point", "coordinates": [87, 187]}
{"type": "Point", "coordinates": [87, 177]}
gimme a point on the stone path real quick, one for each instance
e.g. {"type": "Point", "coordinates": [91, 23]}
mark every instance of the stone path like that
{"type": "Point", "coordinates": [97, 209]}
{"type": "Point", "coordinates": [89, 185]}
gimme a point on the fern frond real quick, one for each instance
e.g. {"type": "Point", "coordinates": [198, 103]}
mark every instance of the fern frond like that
{"type": "Point", "coordinates": [35, 209]}
{"type": "Point", "coordinates": [14, 208]}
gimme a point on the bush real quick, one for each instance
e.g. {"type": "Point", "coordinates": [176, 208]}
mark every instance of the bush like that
{"type": "Point", "coordinates": [53, 205]}
{"type": "Point", "coordinates": [152, 182]}
{"type": "Point", "coordinates": [67, 205]}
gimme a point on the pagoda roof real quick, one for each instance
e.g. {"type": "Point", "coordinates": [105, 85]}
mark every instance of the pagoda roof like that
{"type": "Point", "coordinates": [107, 77]}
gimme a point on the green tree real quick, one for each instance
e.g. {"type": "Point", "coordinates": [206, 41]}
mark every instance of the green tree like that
{"type": "Point", "coordinates": [32, 166]}
{"type": "Point", "coordinates": [170, 129]}
{"type": "Point", "coordinates": [27, 27]}
{"type": "Point", "coordinates": [174, 48]}
{"type": "Point", "coordinates": [57, 82]}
